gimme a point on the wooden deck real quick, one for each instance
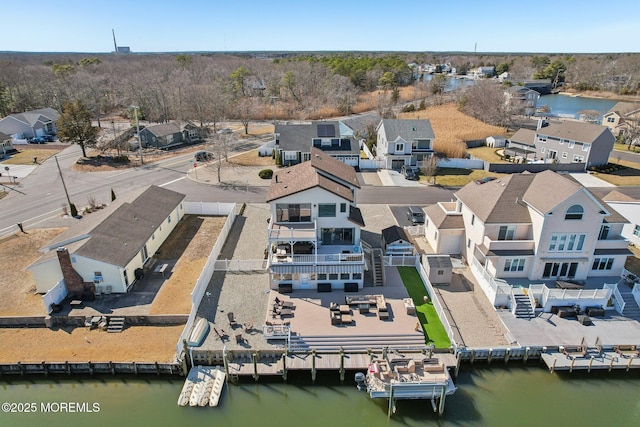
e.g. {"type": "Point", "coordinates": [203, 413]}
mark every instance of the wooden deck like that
{"type": "Point", "coordinates": [606, 360]}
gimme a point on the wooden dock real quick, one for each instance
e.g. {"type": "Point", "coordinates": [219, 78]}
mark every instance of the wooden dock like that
{"type": "Point", "coordinates": [605, 360]}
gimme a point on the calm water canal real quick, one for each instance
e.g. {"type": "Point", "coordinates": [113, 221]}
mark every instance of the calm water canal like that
{"type": "Point", "coordinates": [568, 106]}
{"type": "Point", "coordinates": [496, 396]}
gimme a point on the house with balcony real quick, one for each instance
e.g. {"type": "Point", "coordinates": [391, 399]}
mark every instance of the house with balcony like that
{"type": "Point", "coordinates": [294, 142]}
{"type": "Point", "coordinates": [404, 142]}
{"type": "Point", "coordinates": [522, 100]}
{"type": "Point", "coordinates": [621, 117]}
{"type": "Point", "coordinates": [629, 208]}
{"type": "Point", "coordinates": [535, 228]}
{"type": "Point", "coordinates": [314, 226]}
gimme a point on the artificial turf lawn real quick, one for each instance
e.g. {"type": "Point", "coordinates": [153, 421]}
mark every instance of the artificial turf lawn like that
{"type": "Point", "coordinates": [433, 329]}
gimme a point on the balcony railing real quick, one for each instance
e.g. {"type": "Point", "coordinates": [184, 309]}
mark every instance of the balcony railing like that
{"type": "Point", "coordinates": [617, 243]}
{"type": "Point", "coordinates": [292, 231]}
{"type": "Point", "coordinates": [506, 245]}
{"type": "Point", "coordinates": [350, 258]}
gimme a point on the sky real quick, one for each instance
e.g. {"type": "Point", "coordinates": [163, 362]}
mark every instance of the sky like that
{"type": "Point", "coordinates": [560, 26]}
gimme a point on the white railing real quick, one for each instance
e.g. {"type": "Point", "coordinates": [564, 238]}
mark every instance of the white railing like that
{"type": "Point", "coordinates": [415, 230]}
{"type": "Point", "coordinates": [350, 258]}
{"type": "Point", "coordinates": [205, 276]}
{"type": "Point", "coordinates": [436, 303]}
{"type": "Point", "coordinates": [401, 260]}
{"type": "Point", "coordinates": [498, 292]}
{"type": "Point", "coordinates": [618, 301]}
{"type": "Point", "coordinates": [240, 264]}
{"type": "Point", "coordinates": [203, 208]}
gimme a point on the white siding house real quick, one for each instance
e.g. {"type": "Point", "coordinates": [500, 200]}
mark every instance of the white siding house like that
{"type": "Point", "coordinates": [110, 247]}
{"type": "Point", "coordinates": [404, 142]}
{"type": "Point", "coordinates": [314, 228]}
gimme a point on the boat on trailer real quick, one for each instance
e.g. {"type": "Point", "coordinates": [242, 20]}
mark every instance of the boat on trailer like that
{"type": "Point", "coordinates": [408, 378]}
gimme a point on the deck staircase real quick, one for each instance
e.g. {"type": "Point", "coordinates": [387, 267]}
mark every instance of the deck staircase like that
{"type": "Point", "coordinates": [523, 307]}
{"type": "Point", "coordinates": [378, 274]}
{"type": "Point", "coordinates": [631, 308]}
{"type": "Point", "coordinates": [116, 324]}
{"type": "Point", "coordinates": [298, 343]}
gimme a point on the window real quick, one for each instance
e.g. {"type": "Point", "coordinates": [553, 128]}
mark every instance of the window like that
{"type": "Point", "coordinates": [326, 210]}
{"type": "Point", "coordinates": [572, 144]}
{"type": "Point", "coordinates": [602, 264]}
{"type": "Point", "coordinates": [294, 212]}
{"type": "Point", "coordinates": [322, 276]}
{"type": "Point", "coordinates": [566, 242]}
{"type": "Point", "coordinates": [97, 277]}
{"type": "Point", "coordinates": [636, 230]}
{"type": "Point", "coordinates": [333, 276]}
{"type": "Point", "coordinates": [542, 139]}
{"type": "Point", "coordinates": [506, 232]}
{"type": "Point", "coordinates": [514, 264]}
{"type": "Point", "coordinates": [578, 159]}
{"type": "Point", "coordinates": [343, 207]}
{"type": "Point", "coordinates": [574, 212]}
{"type": "Point", "coordinates": [604, 232]}
{"type": "Point", "coordinates": [400, 147]}
{"type": "Point", "coordinates": [435, 235]}
{"type": "Point", "coordinates": [356, 276]}
{"type": "Point", "coordinates": [344, 276]}
{"type": "Point", "coordinates": [542, 149]}
{"type": "Point", "coordinates": [153, 236]}
{"type": "Point", "coordinates": [611, 119]}
{"type": "Point", "coordinates": [564, 154]}
{"type": "Point", "coordinates": [473, 219]}
{"type": "Point", "coordinates": [337, 236]}
{"type": "Point", "coordinates": [468, 243]}
{"type": "Point", "coordinates": [169, 219]}
{"type": "Point", "coordinates": [585, 147]}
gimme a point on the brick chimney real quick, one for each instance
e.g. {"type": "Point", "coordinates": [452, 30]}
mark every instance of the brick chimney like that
{"type": "Point", "coordinates": [76, 286]}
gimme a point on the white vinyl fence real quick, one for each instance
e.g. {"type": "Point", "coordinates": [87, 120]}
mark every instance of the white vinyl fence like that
{"type": "Point", "coordinates": [208, 269]}
{"type": "Point", "coordinates": [461, 163]}
{"type": "Point", "coordinates": [55, 295]}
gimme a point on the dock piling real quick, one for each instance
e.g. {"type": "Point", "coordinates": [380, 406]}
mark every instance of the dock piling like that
{"type": "Point", "coordinates": [443, 395]}
{"type": "Point", "coordinates": [313, 365]}
{"type": "Point", "coordinates": [284, 364]}
{"type": "Point", "coordinates": [44, 368]}
{"type": "Point", "coordinates": [90, 367]}
{"type": "Point", "coordinates": [341, 364]}
{"type": "Point", "coordinates": [254, 356]}
{"type": "Point", "coordinates": [489, 355]}
{"type": "Point", "coordinates": [526, 354]}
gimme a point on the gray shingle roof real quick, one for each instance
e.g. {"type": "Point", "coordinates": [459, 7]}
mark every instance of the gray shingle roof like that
{"type": "Point", "coordinates": [441, 220]}
{"type": "Point", "coordinates": [524, 137]}
{"type": "Point", "coordinates": [117, 233]}
{"type": "Point", "coordinates": [164, 129]}
{"type": "Point", "coordinates": [575, 131]}
{"type": "Point", "coordinates": [299, 137]}
{"type": "Point", "coordinates": [407, 129]}
{"type": "Point", "coordinates": [393, 234]}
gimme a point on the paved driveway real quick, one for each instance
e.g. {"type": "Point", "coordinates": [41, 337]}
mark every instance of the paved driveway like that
{"type": "Point", "coordinates": [589, 180]}
{"type": "Point", "coordinates": [395, 179]}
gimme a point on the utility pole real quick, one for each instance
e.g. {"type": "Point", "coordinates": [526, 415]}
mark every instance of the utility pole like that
{"type": "Point", "coordinates": [63, 184]}
{"type": "Point", "coordinates": [135, 110]}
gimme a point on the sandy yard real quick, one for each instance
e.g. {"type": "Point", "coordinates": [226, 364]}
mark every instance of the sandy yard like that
{"type": "Point", "coordinates": [198, 233]}
{"type": "Point", "coordinates": [140, 344]}
{"type": "Point", "coordinates": [17, 288]}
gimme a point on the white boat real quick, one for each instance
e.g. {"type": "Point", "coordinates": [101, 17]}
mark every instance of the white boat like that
{"type": "Point", "coordinates": [408, 378]}
{"type": "Point", "coordinates": [218, 385]}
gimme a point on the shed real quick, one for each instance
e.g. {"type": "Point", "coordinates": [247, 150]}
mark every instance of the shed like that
{"type": "Point", "coordinates": [496, 141]}
{"type": "Point", "coordinates": [396, 242]}
{"type": "Point", "coordinates": [438, 267]}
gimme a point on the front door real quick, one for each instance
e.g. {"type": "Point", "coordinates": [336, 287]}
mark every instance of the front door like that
{"type": "Point", "coordinates": [558, 270]}
{"type": "Point", "coordinates": [304, 281]}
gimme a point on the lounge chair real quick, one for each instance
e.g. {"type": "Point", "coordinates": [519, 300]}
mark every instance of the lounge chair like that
{"type": "Point", "coordinates": [281, 303]}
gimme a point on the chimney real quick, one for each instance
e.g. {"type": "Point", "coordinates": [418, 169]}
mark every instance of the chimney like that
{"type": "Point", "coordinates": [542, 122]}
{"type": "Point", "coordinates": [76, 286]}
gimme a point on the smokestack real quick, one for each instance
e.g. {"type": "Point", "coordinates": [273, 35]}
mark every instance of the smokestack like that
{"type": "Point", "coordinates": [115, 45]}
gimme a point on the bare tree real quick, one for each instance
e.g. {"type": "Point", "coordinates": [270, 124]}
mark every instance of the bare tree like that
{"type": "Point", "coordinates": [430, 168]}
{"type": "Point", "coordinates": [244, 109]}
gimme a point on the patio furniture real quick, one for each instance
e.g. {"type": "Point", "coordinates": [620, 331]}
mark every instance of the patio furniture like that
{"type": "Point", "coordinates": [564, 312]}
{"type": "Point", "coordinates": [409, 306]}
{"type": "Point", "coordinates": [363, 308]}
{"type": "Point", "coordinates": [336, 319]}
{"type": "Point", "coordinates": [351, 287]}
{"type": "Point", "coordinates": [563, 284]}
{"type": "Point", "coordinates": [345, 309]}
{"type": "Point", "coordinates": [381, 303]}
{"type": "Point", "coordinates": [360, 299]}
{"type": "Point", "coordinates": [585, 320]}
{"type": "Point", "coordinates": [383, 315]}
{"type": "Point", "coordinates": [346, 319]}
{"type": "Point", "coordinates": [280, 303]}
{"type": "Point", "coordinates": [285, 312]}
{"type": "Point", "coordinates": [232, 320]}
{"type": "Point", "coordinates": [595, 311]}
{"type": "Point", "coordinates": [239, 339]}
{"type": "Point", "coordinates": [161, 268]}
{"type": "Point", "coordinates": [334, 307]}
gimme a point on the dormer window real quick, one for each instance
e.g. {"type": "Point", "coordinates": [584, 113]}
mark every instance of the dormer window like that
{"type": "Point", "coordinates": [574, 212]}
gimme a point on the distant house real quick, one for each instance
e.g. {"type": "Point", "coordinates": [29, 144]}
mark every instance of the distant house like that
{"type": "Point", "coordinates": [30, 123]}
{"type": "Point", "coordinates": [564, 142]}
{"type": "Point", "coordinates": [108, 249]}
{"type": "Point", "coordinates": [621, 116]}
{"type": "Point", "coordinates": [172, 134]}
{"type": "Point", "coordinates": [5, 145]}
{"type": "Point", "coordinates": [522, 100]}
{"type": "Point", "coordinates": [314, 229]}
{"type": "Point", "coordinates": [629, 208]}
{"type": "Point", "coordinates": [294, 142]}
{"type": "Point", "coordinates": [396, 242]}
{"type": "Point", "coordinates": [484, 72]}
{"type": "Point", "coordinates": [404, 142]}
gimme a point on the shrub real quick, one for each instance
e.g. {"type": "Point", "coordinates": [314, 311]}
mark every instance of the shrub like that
{"type": "Point", "coordinates": [121, 159]}
{"type": "Point", "coordinates": [265, 173]}
{"type": "Point", "coordinates": [409, 108]}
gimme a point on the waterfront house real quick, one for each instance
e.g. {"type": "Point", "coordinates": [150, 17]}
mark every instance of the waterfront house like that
{"type": "Point", "coordinates": [110, 247]}
{"type": "Point", "coordinates": [537, 227]}
{"type": "Point", "coordinates": [30, 123]}
{"type": "Point", "coordinates": [294, 142]}
{"type": "Point", "coordinates": [314, 226]}
{"type": "Point", "coordinates": [621, 117]}
{"type": "Point", "coordinates": [629, 208]}
{"type": "Point", "coordinates": [404, 142]}
{"type": "Point", "coordinates": [521, 100]}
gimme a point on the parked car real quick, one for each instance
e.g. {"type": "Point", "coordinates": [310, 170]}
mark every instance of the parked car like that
{"type": "Point", "coordinates": [37, 140]}
{"type": "Point", "coordinates": [408, 173]}
{"type": "Point", "coordinates": [415, 214]}
{"type": "Point", "coordinates": [203, 156]}
{"type": "Point", "coordinates": [47, 138]}
{"type": "Point", "coordinates": [225, 130]}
